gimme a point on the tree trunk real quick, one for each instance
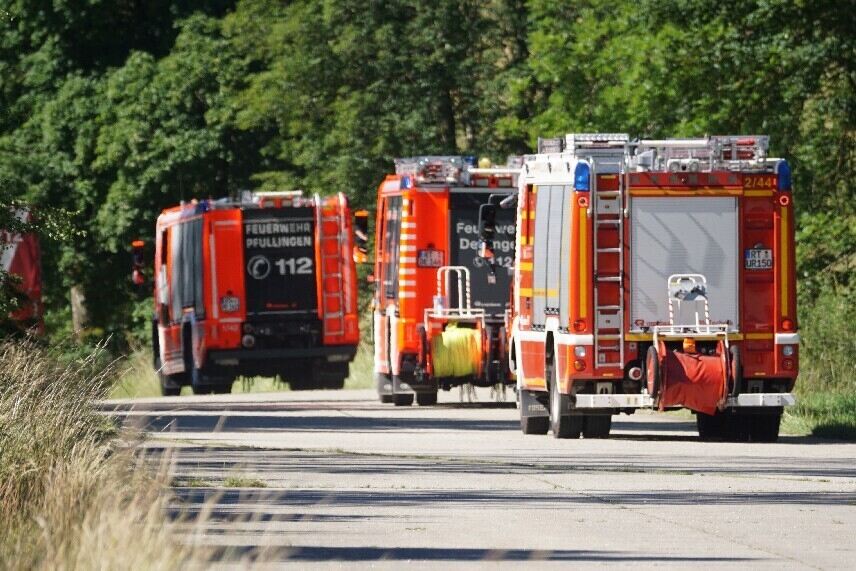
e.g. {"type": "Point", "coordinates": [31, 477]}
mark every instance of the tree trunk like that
{"type": "Point", "coordinates": [79, 312]}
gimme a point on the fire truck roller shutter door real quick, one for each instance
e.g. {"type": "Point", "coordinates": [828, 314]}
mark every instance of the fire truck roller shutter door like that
{"type": "Point", "coordinates": [541, 253]}
{"type": "Point", "coordinates": [391, 246]}
{"type": "Point", "coordinates": [463, 228]}
{"type": "Point", "coordinates": [697, 235]}
{"type": "Point", "coordinates": [279, 261]}
{"type": "Point", "coordinates": [187, 277]}
{"type": "Point", "coordinates": [555, 263]}
{"type": "Point", "coordinates": [565, 258]}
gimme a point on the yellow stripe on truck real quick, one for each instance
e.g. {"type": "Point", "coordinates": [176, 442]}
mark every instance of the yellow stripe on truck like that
{"type": "Point", "coordinates": [783, 262]}
{"type": "Point", "coordinates": [583, 263]}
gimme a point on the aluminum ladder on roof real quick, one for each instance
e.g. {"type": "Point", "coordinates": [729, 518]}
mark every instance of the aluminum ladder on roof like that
{"type": "Point", "coordinates": [608, 215]}
{"type": "Point", "coordinates": [336, 257]}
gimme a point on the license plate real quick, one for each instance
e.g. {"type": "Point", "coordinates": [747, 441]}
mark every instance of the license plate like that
{"type": "Point", "coordinates": [758, 259]}
{"type": "Point", "coordinates": [429, 258]}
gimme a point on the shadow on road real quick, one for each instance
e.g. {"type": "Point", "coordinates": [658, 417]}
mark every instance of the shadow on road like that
{"type": "Point", "coordinates": [296, 422]}
{"type": "Point", "coordinates": [451, 554]}
{"type": "Point", "coordinates": [235, 503]}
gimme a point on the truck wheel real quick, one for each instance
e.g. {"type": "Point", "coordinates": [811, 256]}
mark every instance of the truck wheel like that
{"type": "Point", "coordinates": [534, 424]}
{"type": "Point", "coordinates": [402, 399]}
{"type": "Point", "coordinates": [736, 370]}
{"type": "Point", "coordinates": [426, 399]}
{"type": "Point", "coordinates": [170, 384]}
{"type": "Point", "coordinates": [765, 427]}
{"type": "Point", "coordinates": [300, 384]}
{"type": "Point", "coordinates": [384, 387]}
{"type": "Point", "coordinates": [562, 425]}
{"type": "Point", "coordinates": [168, 387]}
{"type": "Point", "coordinates": [597, 426]}
{"type": "Point", "coordinates": [652, 372]}
{"type": "Point", "coordinates": [333, 376]}
{"type": "Point", "coordinates": [710, 426]}
{"type": "Point", "coordinates": [222, 386]}
{"type": "Point", "coordinates": [737, 427]}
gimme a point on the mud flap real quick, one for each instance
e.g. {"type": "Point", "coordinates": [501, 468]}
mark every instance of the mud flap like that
{"type": "Point", "coordinates": [533, 404]}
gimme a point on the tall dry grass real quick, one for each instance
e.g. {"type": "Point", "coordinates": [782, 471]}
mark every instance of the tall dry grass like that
{"type": "Point", "coordinates": [71, 495]}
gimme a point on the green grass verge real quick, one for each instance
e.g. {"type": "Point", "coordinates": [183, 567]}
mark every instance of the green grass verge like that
{"type": "Point", "coordinates": [243, 482]}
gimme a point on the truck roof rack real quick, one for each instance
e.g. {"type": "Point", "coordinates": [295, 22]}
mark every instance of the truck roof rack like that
{"type": "Point", "coordinates": [730, 152]}
{"type": "Point", "coordinates": [453, 169]}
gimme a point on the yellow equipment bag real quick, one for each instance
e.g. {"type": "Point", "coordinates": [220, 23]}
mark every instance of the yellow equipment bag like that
{"type": "Point", "coordinates": [456, 352]}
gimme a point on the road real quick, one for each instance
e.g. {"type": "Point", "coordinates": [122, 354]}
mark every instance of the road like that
{"type": "Point", "coordinates": [350, 482]}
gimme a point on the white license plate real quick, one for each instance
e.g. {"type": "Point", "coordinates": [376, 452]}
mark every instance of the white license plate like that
{"type": "Point", "coordinates": [758, 259]}
{"type": "Point", "coordinates": [429, 258]}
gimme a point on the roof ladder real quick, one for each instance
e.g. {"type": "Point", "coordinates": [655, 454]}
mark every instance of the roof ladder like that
{"type": "Point", "coordinates": [330, 245]}
{"type": "Point", "coordinates": [608, 215]}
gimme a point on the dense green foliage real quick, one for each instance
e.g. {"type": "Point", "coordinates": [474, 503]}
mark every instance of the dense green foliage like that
{"type": "Point", "coordinates": [115, 109]}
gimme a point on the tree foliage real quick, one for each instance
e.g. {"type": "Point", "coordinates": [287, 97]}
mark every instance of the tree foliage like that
{"type": "Point", "coordinates": [114, 110]}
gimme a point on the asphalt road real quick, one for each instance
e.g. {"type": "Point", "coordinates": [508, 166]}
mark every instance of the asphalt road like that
{"type": "Point", "coordinates": [350, 482]}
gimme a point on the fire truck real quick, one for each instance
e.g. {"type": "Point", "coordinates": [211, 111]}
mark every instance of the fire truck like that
{"type": "Point", "coordinates": [21, 257]}
{"type": "Point", "coordinates": [439, 308]}
{"type": "Point", "coordinates": [261, 286]}
{"type": "Point", "coordinates": [654, 273]}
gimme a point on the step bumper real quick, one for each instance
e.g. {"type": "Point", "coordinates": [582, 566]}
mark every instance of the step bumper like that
{"type": "Point", "coordinates": [642, 400]}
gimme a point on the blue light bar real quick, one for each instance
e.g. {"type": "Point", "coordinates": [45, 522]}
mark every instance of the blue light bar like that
{"type": "Point", "coordinates": [784, 172]}
{"type": "Point", "coordinates": [582, 177]}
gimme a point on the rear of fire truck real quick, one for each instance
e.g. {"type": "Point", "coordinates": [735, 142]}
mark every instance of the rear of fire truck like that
{"type": "Point", "coordinates": [440, 310]}
{"type": "Point", "coordinates": [264, 286]}
{"type": "Point", "coordinates": [655, 274]}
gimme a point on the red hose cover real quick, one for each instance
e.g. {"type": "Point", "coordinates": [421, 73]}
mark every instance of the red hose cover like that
{"type": "Point", "coordinates": [697, 382]}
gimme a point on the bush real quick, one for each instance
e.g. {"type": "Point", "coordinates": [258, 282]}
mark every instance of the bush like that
{"type": "Point", "coordinates": [826, 387]}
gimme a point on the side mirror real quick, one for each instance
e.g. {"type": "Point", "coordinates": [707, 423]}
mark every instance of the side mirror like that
{"type": "Point", "coordinates": [361, 236]}
{"type": "Point", "coordinates": [487, 230]}
{"type": "Point", "coordinates": [138, 262]}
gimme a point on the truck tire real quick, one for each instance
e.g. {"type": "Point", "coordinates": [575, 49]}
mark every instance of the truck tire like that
{"type": "Point", "coordinates": [383, 380]}
{"type": "Point", "coordinates": [426, 399]}
{"type": "Point", "coordinates": [652, 372]}
{"type": "Point", "coordinates": [710, 426]}
{"type": "Point", "coordinates": [333, 376]}
{"type": "Point", "coordinates": [738, 427]}
{"type": "Point", "coordinates": [765, 427]}
{"type": "Point", "coordinates": [597, 426]}
{"type": "Point", "coordinates": [534, 424]}
{"type": "Point", "coordinates": [300, 384]}
{"type": "Point", "coordinates": [170, 385]}
{"type": "Point", "coordinates": [402, 399]}
{"type": "Point", "coordinates": [562, 425]}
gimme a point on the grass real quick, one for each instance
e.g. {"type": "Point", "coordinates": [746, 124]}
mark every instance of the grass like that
{"type": "Point", "coordinates": [71, 497]}
{"type": "Point", "coordinates": [826, 387]}
{"type": "Point", "coordinates": [243, 482]}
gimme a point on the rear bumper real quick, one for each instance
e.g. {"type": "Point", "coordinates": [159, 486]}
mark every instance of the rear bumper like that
{"type": "Point", "coordinates": [233, 357]}
{"type": "Point", "coordinates": [749, 400]}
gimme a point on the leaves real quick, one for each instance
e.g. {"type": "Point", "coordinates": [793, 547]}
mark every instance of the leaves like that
{"type": "Point", "coordinates": [113, 112]}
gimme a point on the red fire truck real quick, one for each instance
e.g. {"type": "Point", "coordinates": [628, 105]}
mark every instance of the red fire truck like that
{"type": "Point", "coordinates": [21, 257]}
{"type": "Point", "coordinates": [654, 273]}
{"type": "Point", "coordinates": [262, 286]}
{"type": "Point", "coordinates": [440, 310]}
